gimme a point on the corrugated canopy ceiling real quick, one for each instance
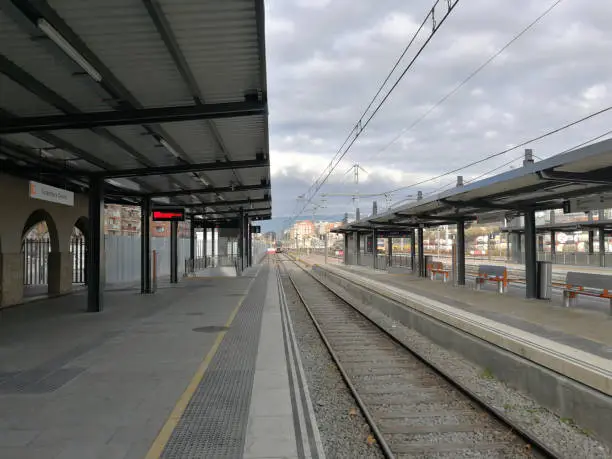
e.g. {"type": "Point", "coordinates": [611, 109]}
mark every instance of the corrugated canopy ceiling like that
{"type": "Point", "coordinates": [165, 98]}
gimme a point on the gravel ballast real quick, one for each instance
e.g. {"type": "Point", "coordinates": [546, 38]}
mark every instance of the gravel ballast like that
{"type": "Point", "coordinates": [560, 435]}
{"type": "Point", "coordinates": [344, 431]}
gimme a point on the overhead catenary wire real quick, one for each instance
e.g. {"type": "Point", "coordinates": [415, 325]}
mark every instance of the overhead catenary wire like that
{"type": "Point", "coordinates": [361, 124]}
{"type": "Point", "coordinates": [503, 152]}
{"type": "Point", "coordinates": [450, 184]}
{"type": "Point", "coordinates": [447, 96]}
{"type": "Point", "coordinates": [469, 77]}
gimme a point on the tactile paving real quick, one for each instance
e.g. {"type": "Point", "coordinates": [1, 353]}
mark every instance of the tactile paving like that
{"type": "Point", "coordinates": [215, 420]}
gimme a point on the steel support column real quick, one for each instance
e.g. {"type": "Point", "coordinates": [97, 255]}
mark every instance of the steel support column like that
{"type": "Point", "coordinates": [357, 248]}
{"type": "Point", "coordinates": [530, 255]}
{"type": "Point", "coordinates": [95, 241]}
{"type": "Point", "coordinates": [205, 249]}
{"type": "Point", "coordinates": [241, 241]}
{"type": "Point", "coordinates": [325, 247]}
{"type": "Point", "coordinates": [460, 248]}
{"type": "Point", "coordinates": [508, 234]}
{"type": "Point", "coordinates": [602, 247]}
{"type": "Point", "coordinates": [145, 246]}
{"type": "Point", "coordinates": [213, 251]}
{"type": "Point", "coordinates": [374, 249]}
{"type": "Point", "coordinates": [346, 248]}
{"type": "Point", "coordinates": [390, 250]}
{"type": "Point", "coordinates": [591, 241]}
{"type": "Point", "coordinates": [413, 251]}
{"type": "Point", "coordinates": [422, 268]}
{"type": "Point", "coordinates": [250, 245]}
{"type": "Point", "coordinates": [553, 246]}
{"type": "Point", "coordinates": [192, 239]}
{"type": "Point", "coordinates": [173, 252]}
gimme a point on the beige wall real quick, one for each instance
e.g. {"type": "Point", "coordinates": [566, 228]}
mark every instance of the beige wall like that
{"type": "Point", "coordinates": [15, 208]}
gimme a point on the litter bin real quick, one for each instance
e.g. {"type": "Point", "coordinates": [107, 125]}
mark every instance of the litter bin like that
{"type": "Point", "coordinates": [544, 280]}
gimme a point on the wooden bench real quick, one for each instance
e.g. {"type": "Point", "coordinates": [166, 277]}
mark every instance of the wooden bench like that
{"type": "Point", "coordinates": [492, 273]}
{"type": "Point", "coordinates": [596, 285]}
{"type": "Point", "coordinates": [435, 268]}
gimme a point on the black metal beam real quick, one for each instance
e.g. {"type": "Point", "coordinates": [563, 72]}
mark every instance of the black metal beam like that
{"type": "Point", "coordinates": [95, 249]}
{"type": "Point", "coordinates": [460, 255]}
{"type": "Point", "coordinates": [482, 204]}
{"type": "Point", "coordinates": [221, 189]}
{"type": "Point", "coordinates": [530, 255]}
{"type": "Point", "coordinates": [233, 211]}
{"type": "Point", "coordinates": [221, 203]}
{"type": "Point", "coordinates": [261, 46]}
{"type": "Point", "coordinates": [145, 247]}
{"type": "Point", "coordinates": [430, 218]}
{"type": "Point", "coordinates": [183, 168]}
{"type": "Point", "coordinates": [27, 81]}
{"type": "Point", "coordinates": [600, 177]}
{"type": "Point", "coordinates": [132, 116]}
{"type": "Point", "coordinates": [167, 35]}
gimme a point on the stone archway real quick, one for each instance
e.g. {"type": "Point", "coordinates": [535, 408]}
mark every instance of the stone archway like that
{"type": "Point", "coordinates": [40, 250]}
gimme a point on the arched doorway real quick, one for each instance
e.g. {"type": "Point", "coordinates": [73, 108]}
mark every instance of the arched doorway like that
{"type": "Point", "coordinates": [39, 239]}
{"type": "Point", "coordinates": [78, 249]}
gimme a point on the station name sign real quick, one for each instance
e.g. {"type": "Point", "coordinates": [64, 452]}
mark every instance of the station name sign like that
{"type": "Point", "coordinates": [169, 215]}
{"type": "Point", "coordinates": [51, 194]}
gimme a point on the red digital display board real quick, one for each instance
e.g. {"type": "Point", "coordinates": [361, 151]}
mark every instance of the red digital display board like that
{"type": "Point", "coordinates": [169, 215]}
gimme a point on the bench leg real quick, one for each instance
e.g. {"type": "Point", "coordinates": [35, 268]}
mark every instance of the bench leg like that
{"type": "Point", "coordinates": [611, 306]}
{"type": "Point", "coordinates": [500, 287]}
{"type": "Point", "coordinates": [569, 299]}
{"type": "Point", "coordinates": [432, 275]}
{"type": "Point", "coordinates": [477, 283]}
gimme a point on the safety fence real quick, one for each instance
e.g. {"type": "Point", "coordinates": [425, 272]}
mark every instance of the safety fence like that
{"type": "Point", "coordinates": [122, 258]}
{"type": "Point", "coordinates": [36, 260]}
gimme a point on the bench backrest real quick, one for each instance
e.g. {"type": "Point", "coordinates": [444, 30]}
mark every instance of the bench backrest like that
{"type": "Point", "coordinates": [492, 270]}
{"type": "Point", "coordinates": [588, 280]}
{"type": "Point", "coordinates": [437, 265]}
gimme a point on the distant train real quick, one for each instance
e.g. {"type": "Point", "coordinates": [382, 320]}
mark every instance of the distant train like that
{"type": "Point", "coordinates": [279, 247]}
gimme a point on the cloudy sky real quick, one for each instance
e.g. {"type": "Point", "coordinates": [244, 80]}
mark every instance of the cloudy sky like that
{"type": "Point", "coordinates": [327, 58]}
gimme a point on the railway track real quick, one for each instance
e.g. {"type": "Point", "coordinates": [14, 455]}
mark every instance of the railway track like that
{"type": "Point", "coordinates": [412, 409]}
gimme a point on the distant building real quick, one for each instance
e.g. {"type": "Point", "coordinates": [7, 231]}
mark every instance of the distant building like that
{"type": "Point", "coordinates": [126, 221]}
{"type": "Point", "coordinates": [121, 220]}
{"type": "Point", "coordinates": [270, 236]}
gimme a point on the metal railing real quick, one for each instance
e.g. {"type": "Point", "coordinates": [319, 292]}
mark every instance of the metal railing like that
{"type": "Point", "coordinates": [197, 264]}
{"type": "Point", "coordinates": [78, 249]}
{"type": "Point", "coordinates": [36, 260]}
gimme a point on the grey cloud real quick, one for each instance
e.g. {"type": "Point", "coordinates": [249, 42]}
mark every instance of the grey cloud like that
{"type": "Point", "coordinates": [537, 85]}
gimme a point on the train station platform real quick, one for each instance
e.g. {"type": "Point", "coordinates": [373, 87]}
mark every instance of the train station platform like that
{"type": "Point", "coordinates": [203, 368]}
{"type": "Point", "coordinates": [561, 357]}
{"type": "Point", "coordinates": [587, 328]}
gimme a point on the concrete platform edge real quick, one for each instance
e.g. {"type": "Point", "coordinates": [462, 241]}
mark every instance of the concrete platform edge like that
{"type": "Point", "coordinates": [586, 368]}
{"type": "Point", "coordinates": [566, 397]}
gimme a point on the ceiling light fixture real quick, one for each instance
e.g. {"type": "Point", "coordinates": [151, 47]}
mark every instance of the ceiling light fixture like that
{"type": "Point", "coordinates": [168, 147]}
{"type": "Point", "coordinates": [60, 41]}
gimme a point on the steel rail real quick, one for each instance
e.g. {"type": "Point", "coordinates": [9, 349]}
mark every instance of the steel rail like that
{"type": "Point", "coordinates": [535, 444]}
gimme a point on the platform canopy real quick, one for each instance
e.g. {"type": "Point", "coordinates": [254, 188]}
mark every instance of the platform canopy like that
{"type": "Point", "coordinates": [579, 180]}
{"type": "Point", "coordinates": [160, 98]}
